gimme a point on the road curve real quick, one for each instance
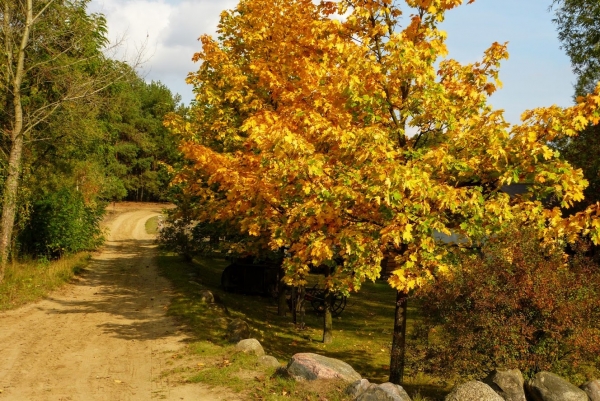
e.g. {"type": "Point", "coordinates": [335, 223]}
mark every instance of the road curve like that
{"type": "Point", "coordinates": [105, 336]}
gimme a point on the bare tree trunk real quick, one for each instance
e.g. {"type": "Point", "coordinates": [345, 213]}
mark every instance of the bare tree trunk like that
{"type": "Point", "coordinates": [9, 197]}
{"type": "Point", "coordinates": [327, 318]}
{"type": "Point", "coordinates": [282, 306]}
{"type": "Point", "coordinates": [399, 339]}
{"type": "Point", "coordinates": [300, 306]}
{"type": "Point", "coordinates": [294, 302]}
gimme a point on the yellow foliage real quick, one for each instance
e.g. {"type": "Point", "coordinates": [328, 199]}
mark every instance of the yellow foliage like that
{"type": "Point", "coordinates": [299, 136]}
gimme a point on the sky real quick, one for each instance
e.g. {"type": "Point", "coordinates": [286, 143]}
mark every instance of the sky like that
{"type": "Point", "coordinates": [538, 73]}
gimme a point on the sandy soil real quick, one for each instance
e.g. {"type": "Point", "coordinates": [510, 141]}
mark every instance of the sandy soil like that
{"type": "Point", "coordinates": [105, 336]}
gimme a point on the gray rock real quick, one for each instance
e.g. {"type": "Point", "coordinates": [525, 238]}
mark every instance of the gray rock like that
{"type": "Point", "coordinates": [237, 330]}
{"type": "Point", "coordinates": [356, 388]}
{"type": "Point", "coordinates": [546, 386]}
{"type": "Point", "coordinates": [308, 366]}
{"type": "Point", "coordinates": [509, 384]}
{"type": "Point", "coordinates": [384, 392]}
{"type": "Point", "coordinates": [250, 346]}
{"type": "Point", "coordinates": [473, 391]}
{"type": "Point", "coordinates": [207, 297]}
{"type": "Point", "coordinates": [269, 360]}
{"type": "Point", "coordinates": [592, 389]}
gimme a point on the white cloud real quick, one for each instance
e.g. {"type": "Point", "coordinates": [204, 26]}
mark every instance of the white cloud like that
{"type": "Point", "coordinates": [537, 74]}
{"type": "Point", "coordinates": [168, 31]}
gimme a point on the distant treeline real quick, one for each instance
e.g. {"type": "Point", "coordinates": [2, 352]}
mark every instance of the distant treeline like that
{"type": "Point", "coordinates": [79, 129]}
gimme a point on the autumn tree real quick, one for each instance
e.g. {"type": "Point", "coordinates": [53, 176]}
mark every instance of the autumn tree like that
{"type": "Point", "coordinates": [344, 139]}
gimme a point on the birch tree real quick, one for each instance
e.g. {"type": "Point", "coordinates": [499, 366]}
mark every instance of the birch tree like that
{"type": "Point", "coordinates": [52, 57]}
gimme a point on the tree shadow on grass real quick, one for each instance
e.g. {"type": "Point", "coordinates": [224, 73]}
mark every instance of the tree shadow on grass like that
{"type": "Point", "coordinates": [362, 334]}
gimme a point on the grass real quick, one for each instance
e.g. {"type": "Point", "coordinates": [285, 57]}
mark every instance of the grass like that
{"type": "Point", "coordinates": [362, 334]}
{"type": "Point", "coordinates": [30, 281]}
{"type": "Point", "coordinates": [152, 225]}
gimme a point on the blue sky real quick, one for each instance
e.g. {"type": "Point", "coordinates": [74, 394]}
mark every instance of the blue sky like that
{"type": "Point", "coordinates": [537, 74]}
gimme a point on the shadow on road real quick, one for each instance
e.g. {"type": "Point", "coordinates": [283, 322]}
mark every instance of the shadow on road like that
{"type": "Point", "coordinates": [123, 284]}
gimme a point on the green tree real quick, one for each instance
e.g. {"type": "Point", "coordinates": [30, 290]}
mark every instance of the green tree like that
{"type": "Point", "coordinates": [579, 32]}
{"type": "Point", "coordinates": [138, 148]}
{"type": "Point", "coordinates": [578, 24]}
{"type": "Point", "coordinates": [62, 222]}
{"type": "Point", "coordinates": [52, 59]}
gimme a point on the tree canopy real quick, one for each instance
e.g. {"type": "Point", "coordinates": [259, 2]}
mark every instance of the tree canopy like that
{"type": "Point", "coordinates": [341, 139]}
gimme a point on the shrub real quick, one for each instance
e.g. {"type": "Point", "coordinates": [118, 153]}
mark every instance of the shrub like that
{"type": "Point", "coordinates": [62, 223]}
{"type": "Point", "coordinates": [514, 304]}
{"type": "Point", "coordinates": [175, 236]}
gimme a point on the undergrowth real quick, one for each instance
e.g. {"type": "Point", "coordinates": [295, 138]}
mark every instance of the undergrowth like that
{"type": "Point", "coordinates": [30, 281]}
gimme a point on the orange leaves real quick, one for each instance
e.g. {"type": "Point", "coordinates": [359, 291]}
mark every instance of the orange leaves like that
{"type": "Point", "coordinates": [341, 140]}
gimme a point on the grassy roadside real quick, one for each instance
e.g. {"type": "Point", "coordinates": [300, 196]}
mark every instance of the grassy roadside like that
{"type": "Point", "coordinates": [152, 225]}
{"type": "Point", "coordinates": [362, 335]}
{"type": "Point", "coordinates": [30, 281]}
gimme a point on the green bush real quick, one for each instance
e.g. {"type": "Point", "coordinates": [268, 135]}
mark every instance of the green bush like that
{"type": "Point", "coordinates": [62, 223]}
{"type": "Point", "coordinates": [513, 304]}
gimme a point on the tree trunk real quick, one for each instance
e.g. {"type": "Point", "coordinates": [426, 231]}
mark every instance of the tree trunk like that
{"type": "Point", "coordinates": [327, 318]}
{"type": "Point", "coordinates": [294, 306]}
{"type": "Point", "coordinates": [11, 187]}
{"type": "Point", "coordinates": [300, 306]}
{"type": "Point", "coordinates": [282, 306]}
{"type": "Point", "coordinates": [399, 339]}
{"type": "Point", "coordinates": [9, 201]}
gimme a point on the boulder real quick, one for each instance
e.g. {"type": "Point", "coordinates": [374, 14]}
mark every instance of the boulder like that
{"type": "Point", "coordinates": [546, 386]}
{"type": "Point", "coordinates": [357, 388]}
{"type": "Point", "coordinates": [384, 392]}
{"type": "Point", "coordinates": [592, 389]}
{"type": "Point", "coordinates": [308, 366]}
{"type": "Point", "coordinates": [269, 360]}
{"type": "Point", "coordinates": [250, 346]}
{"type": "Point", "coordinates": [237, 330]}
{"type": "Point", "coordinates": [207, 297]}
{"type": "Point", "coordinates": [473, 391]}
{"type": "Point", "coordinates": [509, 384]}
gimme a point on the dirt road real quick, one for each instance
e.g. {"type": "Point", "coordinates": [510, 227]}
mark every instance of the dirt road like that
{"type": "Point", "coordinates": [104, 337]}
